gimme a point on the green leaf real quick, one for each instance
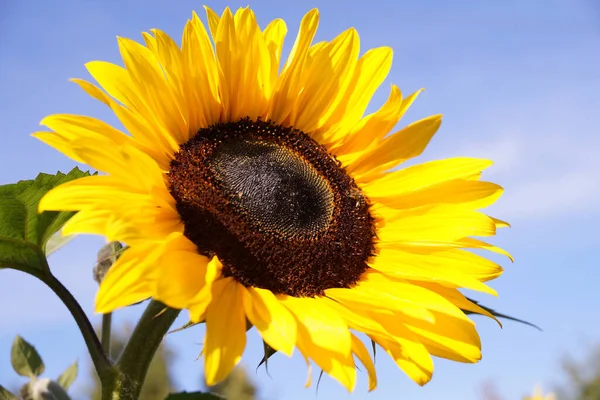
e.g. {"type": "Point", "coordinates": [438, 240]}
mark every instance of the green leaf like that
{"type": "Point", "coordinates": [194, 396]}
{"type": "Point", "coordinates": [6, 395]}
{"type": "Point", "coordinates": [66, 378]}
{"type": "Point", "coordinates": [24, 233]}
{"type": "Point", "coordinates": [25, 359]}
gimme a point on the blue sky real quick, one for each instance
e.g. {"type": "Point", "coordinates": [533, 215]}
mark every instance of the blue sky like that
{"type": "Point", "coordinates": [517, 82]}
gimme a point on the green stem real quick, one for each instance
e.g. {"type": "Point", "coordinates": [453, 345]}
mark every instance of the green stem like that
{"type": "Point", "coordinates": [139, 352]}
{"type": "Point", "coordinates": [106, 331]}
{"type": "Point", "coordinates": [99, 359]}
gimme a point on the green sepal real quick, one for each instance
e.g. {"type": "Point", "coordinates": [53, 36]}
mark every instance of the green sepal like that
{"type": "Point", "coordinates": [374, 347]}
{"type": "Point", "coordinates": [187, 325]}
{"type": "Point", "coordinates": [500, 315]}
{"type": "Point", "coordinates": [268, 352]}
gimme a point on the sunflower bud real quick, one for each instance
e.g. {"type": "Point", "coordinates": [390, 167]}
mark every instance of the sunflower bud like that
{"type": "Point", "coordinates": [107, 256]}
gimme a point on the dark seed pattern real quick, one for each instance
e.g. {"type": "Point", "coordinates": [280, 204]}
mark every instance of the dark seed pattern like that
{"type": "Point", "coordinates": [278, 210]}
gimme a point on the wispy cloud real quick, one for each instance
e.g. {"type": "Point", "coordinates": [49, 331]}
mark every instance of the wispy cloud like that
{"type": "Point", "coordinates": [547, 176]}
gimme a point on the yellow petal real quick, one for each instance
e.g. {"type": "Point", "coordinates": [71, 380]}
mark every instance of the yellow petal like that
{"type": "Point", "coordinates": [274, 34]}
{"type": "Point", "coordinates": [362, 299]}
{"type": "Point", "coordinates": [200, 302]}
{"type": "Point", "coordinates": [455, 260]}
{"type": "Point", "coordinates": [289, 84]}
{"type": "Point", "coordinates": [115, 227]}
{"type": "Point", "coordinates": [374, 127]}
{"type": "Point", "coordinates": [459, 192]}
{"type": "Point", "coordinates": [330, 70]}
{"type": "Point", "coordinates": [405, 348]}
{"type": "Point", "coordinates": [356, 319]}
{"type": "Point", "coordinates": [429, 245]}
{"type": "Point", "coordinates": [398, 147]}
{"type": "Point", "coordinates": [118, 83]}
{"type": "Point", "coordinates": [90, 191]}
{"type": "Point", "coordinates": [275, 323]}
{"type": "Point", "coordinates": [123, 161]}
{"type": "Point", "coordinates": [57, 142]}
{"type": "Point", "coordinates": [68, 128]}
{"type": "Point", "coordinates": [161, 151]}
{"type": "Point", "coordinates": [449, 337]}
{"type": "Point", "coordinates": [106, 211]}
{"type": "Point", "coordinates": [478, 244]}
{"type": "Point", "coordinates": [376, 291]}
{"type": "Point", "coordinates": [131, 279]}
{"type": "Point", "coordinates": [93, 91]}
{"type": "Point", "coordinates": [115, 80]}
{"type": "Point", "coordinates": [420, 176]}
{"type": "Point", "coordinates": [370, 71]}
{"type": "Point", "coordinates": [449, 268]}
{"type": "Point", "coordinates": [201, 75]}
{"type": "Point", "coordinates": [183, 274]}
{"type": "Point", "coordinates": [239, 42]}
{"type": "Point", "coordinates": [309, 372]}
{"type": "Point", "coordinates": [170, 57]}
{"type": "Point", "coordinates": [499, 223]}
{"type": "Point", "coordinates": [225, 331]}
{"type": "Point", "coordinates": [412, 357]}
{"type": "Point", "coordinates": [227, 50]}
{"type": "Point", "coordinates": [213, 20]}
{"type": "Point", "coordinates": [164, 111]}
{"type": "Point", "coordinates": [388, 330]}
{"type": "Point", "coordinates": [150, 42]}
{"type": "Point", "coordinates": [436, 224]}
{"type": "Point", "coordinates": [458, 299]}
{"type": "Point", "coordinates": [324, 337]}
{"type": "Point", "coordinates": [79, 126]}
{"type": "Point", "coordinates": [359, 349]}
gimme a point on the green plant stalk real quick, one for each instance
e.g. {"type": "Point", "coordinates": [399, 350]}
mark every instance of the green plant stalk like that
{"type": "Point", "coordinates": [101, 363]}
{"type": "Point", "coordinates": [133, 365]}
{"type": "Point", "coordinates": [106, 333]}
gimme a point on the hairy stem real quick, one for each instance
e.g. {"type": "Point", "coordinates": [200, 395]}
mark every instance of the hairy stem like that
{"type": "Point", "coordinates": [106, 332]}
{"type": "Point", "coordinates": [139, 351]}
{"type": "Point", "coordinates": [101, 363]}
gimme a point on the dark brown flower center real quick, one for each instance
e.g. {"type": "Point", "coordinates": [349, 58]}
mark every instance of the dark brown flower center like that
{"type": "Point", "coordinates": [276, 208]}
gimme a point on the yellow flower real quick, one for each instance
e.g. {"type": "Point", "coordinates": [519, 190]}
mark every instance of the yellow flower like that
{"type": "Point", "coordinates": [538, 394]}
{"type": "Point", "coordinates": [247, 191]}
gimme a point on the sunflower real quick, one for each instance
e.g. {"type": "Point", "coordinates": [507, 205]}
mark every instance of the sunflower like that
{"type": "Point", "coordinates": [538, 394]}
{"type": "Point", "coordinates": [250, 192]}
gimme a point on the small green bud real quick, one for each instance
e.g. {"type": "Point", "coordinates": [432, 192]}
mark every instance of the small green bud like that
{"type": "Point", "coordinates": [107, 256]}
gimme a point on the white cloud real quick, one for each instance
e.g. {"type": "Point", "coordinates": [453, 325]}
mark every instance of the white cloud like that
{"type": "Point", "coordinates": [571, 193]}
{"type": "Point", "coordinates": [544, 176]}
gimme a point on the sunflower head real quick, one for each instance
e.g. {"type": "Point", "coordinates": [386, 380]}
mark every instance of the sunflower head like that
{"type": "Point", "coordinates": [254, 192]}
{"type": "Point", "coordinates": [274, 206]}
